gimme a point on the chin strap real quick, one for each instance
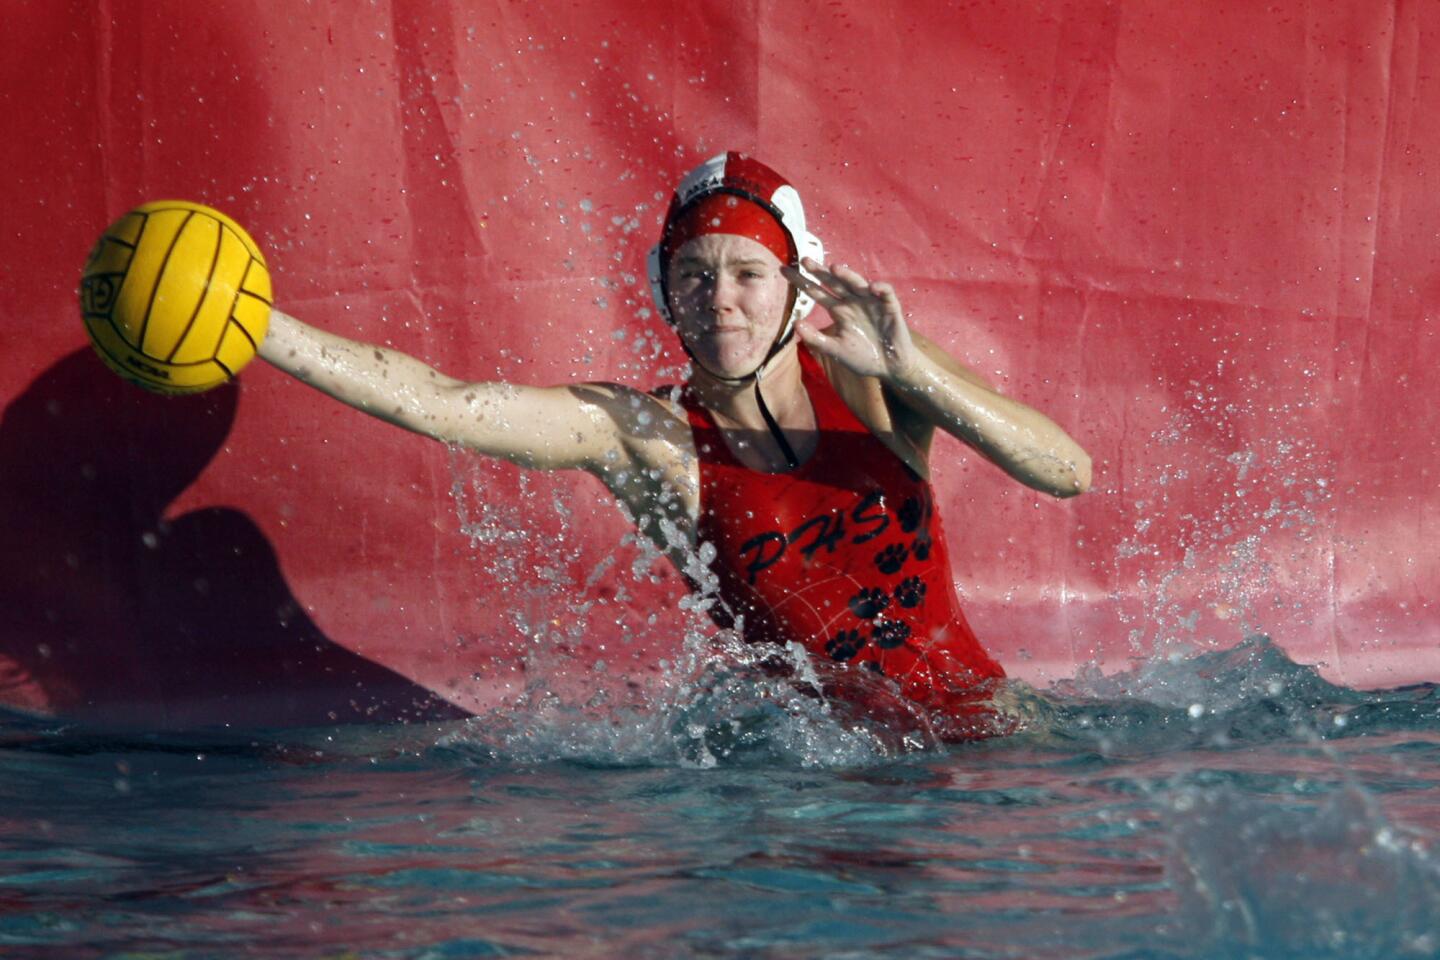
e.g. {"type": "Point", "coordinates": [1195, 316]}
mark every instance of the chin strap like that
{"type": "Point", "coordinates": [775, 431]}
{"type": "Point", "coordinates": [791, 460]}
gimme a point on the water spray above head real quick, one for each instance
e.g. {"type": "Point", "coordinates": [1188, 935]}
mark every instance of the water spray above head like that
{"type": "Point", "coordinates": [735, 194]}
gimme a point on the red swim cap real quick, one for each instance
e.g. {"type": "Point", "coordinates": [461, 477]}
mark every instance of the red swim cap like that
{"type": "Point", "coordinates": [726, 213]}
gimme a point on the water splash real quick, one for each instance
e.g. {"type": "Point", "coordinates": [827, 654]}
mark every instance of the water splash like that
{"type": "Point", "coordinates": [723, 701]}
{"type": "Point", "coordinates": [1232, 528]}
{"type": "Point", "coordinates": [1250, 693]}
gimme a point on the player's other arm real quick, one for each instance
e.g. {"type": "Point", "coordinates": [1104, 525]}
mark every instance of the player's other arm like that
{"type": "Point", "coordinates": [1019, 439]}
{"type": "Point", "coordinates": [869, 337]}
{"type": "Point", "coordinates": [547, 428]}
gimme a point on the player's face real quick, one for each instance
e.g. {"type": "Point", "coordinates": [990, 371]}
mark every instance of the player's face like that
{"type": "Point", "coordinates": [728, 298]}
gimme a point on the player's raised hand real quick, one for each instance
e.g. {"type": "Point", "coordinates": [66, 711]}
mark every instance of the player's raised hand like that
{"type": "Point", "coordinates": [868, 333]}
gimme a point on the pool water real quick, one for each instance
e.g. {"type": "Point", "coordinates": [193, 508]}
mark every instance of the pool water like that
{"type": "Point", "coordinates": [1215, 805]}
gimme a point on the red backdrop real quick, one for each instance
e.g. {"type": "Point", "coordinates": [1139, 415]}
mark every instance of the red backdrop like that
{"type": "Point", "coordinates": [1202, 237]}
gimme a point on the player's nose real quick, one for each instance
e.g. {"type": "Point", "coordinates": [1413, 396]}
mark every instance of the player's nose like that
{"type": "Point", "coordinates": [721, 292]}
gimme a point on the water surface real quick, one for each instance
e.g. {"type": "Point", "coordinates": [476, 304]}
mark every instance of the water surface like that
{"type": "Point", "coordinates": [1226, 805]}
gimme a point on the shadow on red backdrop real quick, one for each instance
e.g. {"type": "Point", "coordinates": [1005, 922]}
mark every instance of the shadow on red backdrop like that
{"type": "Point", "coordinates": [118, 614]}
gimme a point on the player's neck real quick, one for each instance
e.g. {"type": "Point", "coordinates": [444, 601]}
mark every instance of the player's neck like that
{"type": "Point", "coordinates": [734, 404]}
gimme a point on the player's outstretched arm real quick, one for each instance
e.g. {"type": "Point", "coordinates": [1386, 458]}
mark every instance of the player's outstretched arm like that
{"type": "Point", "coordinates": [869, 337]}
{"type": "Point", "coordinates": [548, 428]}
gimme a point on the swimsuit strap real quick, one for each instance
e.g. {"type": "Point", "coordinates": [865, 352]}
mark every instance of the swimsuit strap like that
{"type": "Point", "coordinates": [832, 413]}
{"type": "Point", "coordinates": [710, 445]}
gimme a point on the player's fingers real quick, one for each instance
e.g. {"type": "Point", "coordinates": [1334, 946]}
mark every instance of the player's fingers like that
{"type": "Point", "coordinates": [888, 297]}
{"type": "Point", "coordinates": [851, 278]}
{"type": "Point", "coordinates": [810, 287]}
{"type": "Point", "coordinates": [825, 275]}
{"type": "Point", "coordinates": [840, 278]}
{"type": "Point", "coordinates": [813, 336]}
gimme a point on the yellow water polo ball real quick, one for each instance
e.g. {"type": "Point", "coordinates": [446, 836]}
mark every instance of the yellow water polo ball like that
{"type": "Point", "coordinates": [176, 297]}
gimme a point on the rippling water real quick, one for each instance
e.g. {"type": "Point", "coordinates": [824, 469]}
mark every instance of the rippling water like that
{"type": "Point", "coordinates": [1226, 805]}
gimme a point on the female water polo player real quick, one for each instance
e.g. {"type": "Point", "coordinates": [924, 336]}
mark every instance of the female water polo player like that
{"type": "Point", "coordinates": [799, 453]}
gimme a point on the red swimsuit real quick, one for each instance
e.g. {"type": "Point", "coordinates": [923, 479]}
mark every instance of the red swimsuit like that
{"type": "Point", "coordinates": [845, 555]}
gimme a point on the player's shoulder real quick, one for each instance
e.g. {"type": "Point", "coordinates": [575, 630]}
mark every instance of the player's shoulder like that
{"type": "Point", "coordinates": [862, 394]}
{"type": "Point", "coordinates": [640, 414]}
{"type": "Point", "coordinates": [906, 435]}
{"type": "Point", "coordinates": [623, 396]}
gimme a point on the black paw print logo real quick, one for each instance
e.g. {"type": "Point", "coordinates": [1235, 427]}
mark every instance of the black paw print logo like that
{"type": "Point", "coordinates": [845, 644]}
{"type": "Point", "coordinates": [890, 634]}
{"type": "Point", "coordinates": [921, 547]}
{"type": "Point", "coordinates": [892, 558]}
{"type": "Point", "coordinates": [911, 513]}
{"type": "Point", "coordinates": [868, 603]}
{"type": "Point", "coordinates": [910, 592]}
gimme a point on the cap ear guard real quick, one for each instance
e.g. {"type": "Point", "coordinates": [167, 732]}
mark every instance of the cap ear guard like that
{"type": "Point", "coordinates": [810, 248]}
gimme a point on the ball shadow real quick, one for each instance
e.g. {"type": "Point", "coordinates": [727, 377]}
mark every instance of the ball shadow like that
{"type": "Point", "coordinates": [117, 616]}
